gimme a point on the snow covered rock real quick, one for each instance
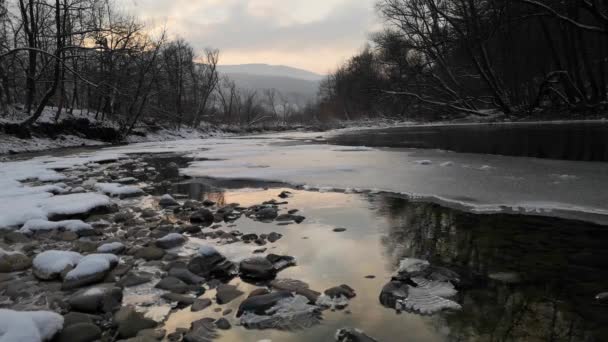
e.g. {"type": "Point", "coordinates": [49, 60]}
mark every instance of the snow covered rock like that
{"type": "Point", "coordinates": [288, 313]}
{"type": "Point", "coordinates": [111, 247]}
{"type": "Point", "coordinates": [40, 225]}
{"type": "Point", "coordinates": [167, 201]}
{"type": "Point", "coordinates": [170, 240]}
{"type": "Point", "coordinates": [29, 326]}
{"type": "Point", "coordinates": [91, 269]}
{"type": "Point", "coordinates": [421, 288]}
{"type": "Point", "coordinates": [119, 190]}
{"type": "Point", "coordinates": [13, 261]}
{"type": "Point", "coordinates": [50, 265]}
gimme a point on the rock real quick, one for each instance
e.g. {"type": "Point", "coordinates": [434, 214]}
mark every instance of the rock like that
{"type": "Point", "coordinates": [134, 279]}
{"type": "Point", "coordinates": [72, 318]}
{"type": "Point", "coordinates": [84, 246]}
{"type": "Point", "coordinates": [68, 236]}
{"type": "Point", "coordinates": [226, 312]}
{"type": "Point", "coordinates": [211, 264]}
{"type": "Point", "coordinates": [338, 291]}
{"type": "Point", "coordinates": [167, 201]}
{"type": "Point", "coordinates": [203, 330]}
{"type": "Point", "coordinates": [79, 332]}
{"type": "Point", "coordinates": [281, 262]}
{"type": "Point", "coordinates": [258, 292]}
{"type": "Point", "coordinates": [190, 229]}
{"type": "Point", "coordinates": [101, 298]}
{"type": "Point", "coordinates": [50, 265]}
{"type": "Point", "coordinates": [149, 213]}
{"type": "Point", "coordinates": [156, 334]}
{"type": "Point", "coordinates": [285, 194]}
{"type": "Point", "coordinates": [208, 203]}
{"type": "Point", "coordinates": [123, 216]}
{"type": "Point", "coordinates": [15, 237]}
{"type": "Point", "coordinates": [182, 300]}
{"type": "Point", "coordinates": [92, 269]}
{"type": "Point", "coordinates": [371, 276]}
{"type": "Point", "coordinates": [173, 284]}
{"type": "Point", "coordinates": [223, 324]}
{"type": "Point", "coordinates": [297, 287]}
{"type": "Point", "coordinates": [171, 240]}
{"type": "Point", "coordinates": [339, 230]}
{"type": "Point", "coordinates": [186, 276]}
{"type": "Point", "coordinates": [267, 214]}
{"type": "Point", "coordinates": [150, 253]}
{"type": "Point", "coordinates": [200, 304]}
{"type": "Point", "coordinates": [13, 261]}
{"type": "Point", "coordinates": [203, 216]}
{"type": "Point", "coordinates": [273, 237]}
{"type": "Point", "coordinates": [352, 335]}
{"type": "Point", "coordinates": [261, 303]}
{"type": "Point", "coordinates": [112, 247]}
{"type": "Point", "coordinates": [249, 237]}
{"type": "Point", "coordinates": [130, 322]}
{"type": "Point", "coordinates": [226, 293]}
{"type": "Point", "coordinates": [602, 297]}
{"type": "Point", "coordinates": [257, 268]}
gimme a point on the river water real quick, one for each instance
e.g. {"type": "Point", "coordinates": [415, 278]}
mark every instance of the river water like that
{"type": "Point", "coordinates": [527, 236]}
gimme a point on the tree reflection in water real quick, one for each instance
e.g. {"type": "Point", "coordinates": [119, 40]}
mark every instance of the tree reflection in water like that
{"type": "Point", "coordinates": [526, 278]}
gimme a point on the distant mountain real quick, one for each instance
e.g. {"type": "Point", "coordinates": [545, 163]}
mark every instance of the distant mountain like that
{"type": "Point", "coordinates": [298, 86]}
{"type": "Point", "coordinates": [270, 70]}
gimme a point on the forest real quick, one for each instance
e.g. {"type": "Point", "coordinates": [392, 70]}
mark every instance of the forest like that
{"type": "Point", "coordinates": [450, 58]}
{"type": "Point", "coordinates": [431, 60]}
{"type": "Point", "coordinates": [91, 56]}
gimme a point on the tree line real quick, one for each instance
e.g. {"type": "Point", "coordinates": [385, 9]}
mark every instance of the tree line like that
{"type": "Point", "coordinates": [446, 58]}
{"type": "Point", "coordinates": [88, 55]}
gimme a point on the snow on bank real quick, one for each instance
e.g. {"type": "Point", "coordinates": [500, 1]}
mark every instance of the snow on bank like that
{"type": "Point", "coordinates": [29, 326]}
{"type": "Point", "coordinates": [118, 190]}
{"type": "Point", "coordinates": [36, 225]}
{"type": "Point", "coordinates": [20, 203]}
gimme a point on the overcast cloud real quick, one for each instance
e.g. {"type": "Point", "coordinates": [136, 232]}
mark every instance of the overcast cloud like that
{"type": "Point", "coordinates": [316, 34]}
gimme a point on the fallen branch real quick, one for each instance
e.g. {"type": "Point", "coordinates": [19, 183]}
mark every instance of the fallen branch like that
{"type": "Point", "coordinates": [436, 103]}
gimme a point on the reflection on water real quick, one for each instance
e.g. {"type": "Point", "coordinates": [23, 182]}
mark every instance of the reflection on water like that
{"type": "Point", "coordinates": [524, 277]}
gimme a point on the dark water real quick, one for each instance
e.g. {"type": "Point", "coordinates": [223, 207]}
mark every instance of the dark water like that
{"type": "Point", "coordinates": [525, 278]}
{"type": "Point", "coordinates": [567, 141]}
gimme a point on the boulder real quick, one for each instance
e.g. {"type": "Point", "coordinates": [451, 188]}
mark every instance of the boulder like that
{"type": "Point", "coordinates": [167, 201]}
{"type": "Point", "coordinates": [173, 284]}
{"type": "Point", "coordinates": [13, 261]}
{"type": "Point", "coordinates": [261, 303]}
{"type": "Point", "coordinates": [257, 268]}
{"type": "Point", "coordinates": [202, 216]}
{"type": "Point", "coordinates": [80, 332]}
{"type": "Point", "coordinates": [97, 299]}
{"type": "Point", "coordinates": [150, 253]}
{"type": "Point", "coordinates": [186, 276]}
{"type": "Point", "coordinates": [200, 304]}
{"type": "Point", "coordinates": [227, 293]}
{"type": "Point", "coordinates": [130, 322]}
{"type": "Point", "coordinates": [171, 240]}
{"type": "Point", "coordinates": [209, 263]}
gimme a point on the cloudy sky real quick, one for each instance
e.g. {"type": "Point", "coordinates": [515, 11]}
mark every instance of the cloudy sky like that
{"type": "Point", "coordinates": [311, 34]}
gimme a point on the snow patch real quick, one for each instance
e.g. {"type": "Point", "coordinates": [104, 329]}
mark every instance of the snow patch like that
{"type": "Point", "coordinates": [118, 190]}
{"type": "Point", "coordinates": [37, 225]}
{"type": "Point", "coordinates": [29, 326]}
{"type": "Point", "coordinates": [54, 261]}
{"type": "Point", "coordinates": [91, 264]}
